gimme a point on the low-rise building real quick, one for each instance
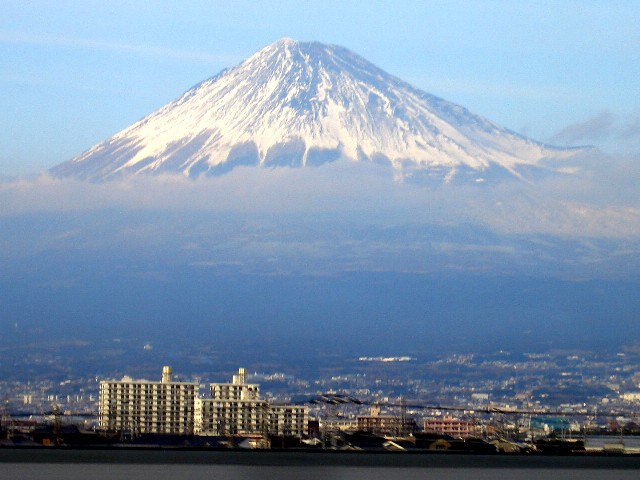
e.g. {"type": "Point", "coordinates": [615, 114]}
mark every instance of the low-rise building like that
{"type": "Point", "coordinates": [631, 396]}
{"type": "Point", "coordinates": [385, 425]}
{"type": "Point", "coordinates": [449, 425]}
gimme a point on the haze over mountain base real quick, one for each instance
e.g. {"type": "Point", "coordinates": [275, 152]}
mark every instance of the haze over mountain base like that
{"type": "Point", "coordinates": [337, 257]}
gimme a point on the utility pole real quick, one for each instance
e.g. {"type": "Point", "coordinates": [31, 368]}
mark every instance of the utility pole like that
{"type": "Point", "coordinates": [57, 427]}
{"type": "Point", "coordinates": [403, 416]}
{"type": "Point", "coordinates": [5, 421]}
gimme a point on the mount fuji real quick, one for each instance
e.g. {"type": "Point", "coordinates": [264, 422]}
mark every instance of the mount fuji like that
{"type": "Point", "coordinates": [293, 242]}
{"type": "Point", "coordinates": [302, 104]}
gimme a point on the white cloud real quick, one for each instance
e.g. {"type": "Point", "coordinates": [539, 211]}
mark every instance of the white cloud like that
{"type": "Point", "coordinates": [592, 129]}
{"type": "Point", "coordinates": [615, 132]}
{"type": "Point", "coordinates": [600, 200]}
{"type": "Point", "coordinates": [19, 38]}
{"type": "Point", "coordinates": [339, 217]}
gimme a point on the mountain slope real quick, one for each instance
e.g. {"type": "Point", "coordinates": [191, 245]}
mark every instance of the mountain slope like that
{"type": "Point", "coordinates": [298, 104]}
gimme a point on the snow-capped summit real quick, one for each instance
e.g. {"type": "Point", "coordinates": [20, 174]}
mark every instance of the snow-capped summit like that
{"type": "Point", "coordinates": [305, 103]}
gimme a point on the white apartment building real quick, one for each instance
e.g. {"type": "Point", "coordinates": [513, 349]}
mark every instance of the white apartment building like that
{"type": "Point", "coordinates": [168, 407]}
{"type": "Point", "coordinates": [237, 391]}
{"type": "Point", "coordinates": [236, 409]}
{"type": "Point", "coordinates": [143, 406]}
{"type": "Point", "coordinates": [288, 420]}
{"type": "Point", "coordinates": [233, 409]}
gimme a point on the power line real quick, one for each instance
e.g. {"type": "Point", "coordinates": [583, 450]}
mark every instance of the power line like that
{"type": "Point", "coordinates": [339, 399]}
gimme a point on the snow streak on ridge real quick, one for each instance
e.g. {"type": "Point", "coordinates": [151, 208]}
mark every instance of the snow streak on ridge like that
{"type": "Point", "coordinates": [306, 103]}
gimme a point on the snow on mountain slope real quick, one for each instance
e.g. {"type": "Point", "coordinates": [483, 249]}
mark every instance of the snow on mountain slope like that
{"type": "Point", "coordinates": [297, 104]}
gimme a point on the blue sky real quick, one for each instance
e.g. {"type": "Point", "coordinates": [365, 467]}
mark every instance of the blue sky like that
{"type": "Point", "coordinates": [75, 72]}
